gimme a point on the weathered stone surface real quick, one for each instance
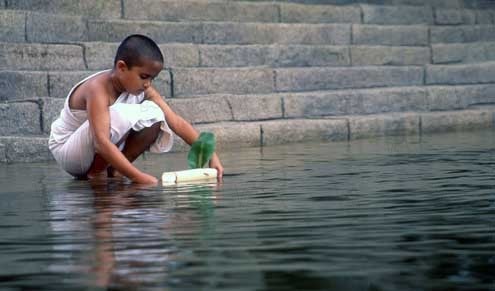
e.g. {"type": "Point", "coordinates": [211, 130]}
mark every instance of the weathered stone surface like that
{"type": "Point", "coordinates": [177, 10]}
{"type": "Point", "coordinates": [461, 74]}
{"type": "Point", "coordinates": [22, 84]}
{"type": "Point", "coordinates": [405, 35]}
{"type": "Point", "coordinates": [202, 109]}
{"type": "Point", "coordinates": [161, 32]}
{"type": "Point", "coordinates": [302, 56]}
{"type": "Point", "coordinates": [189, 82]}
{"type": "Point", "coordinates": [454, 17]}
{"type": "Point", "coordinates": [273, 55]}
{"type": "Point", "coordinates": [463, 52]}
{"type": "Point", "coordinates": [367, 101]}
{"type": "Point", "coordinates": [27, 149]}
{"type": "Point", "coordinates": [303, 130]}
{"type": "Point", "coordinates": [444, 121]}
{"type": "Point", "coordinates": [374, 14]}
{"type": "Point", "coordinates": [50, 110]}
{"type": "Point", "coordinates": [100, 55]}
{"type": "Point", "coordinates": [383, 125]}
{"type": "Point", "coordinates": [40, 57]}
{"type": "Point", "coordinates": [91, 8]}
{"type": "Point", "coordinates": [462, 33]}
{"type": "Point", "coordinates": [443, 98]}
{"type": "Point", "coordinates": [3, 150]}
{"type": "Point", "coordinates": [232, 135]}
{"type": "Point", "coordinates": [19, 118]}
{"type": "Point", "coordinates": [485, 16]}
{"type": "Point", "coordinates": [386, 55]}
{"type": "Point", "coordinates": [255, 107]}
{"type": "Point", "coordinates": [475, 94]}
{"type": "Point", "coordinates": [306, 79]}
{"type": "Point", "coordinates": [61, 82]}
{"type": "Point", "coordinates": [42, 27]}
{"type": "Point", "coordinates": [280, 33]}
{"type": "Point", "coordinates": [319, 13]}
{"type": "Point", "coordinates": [12, 26]}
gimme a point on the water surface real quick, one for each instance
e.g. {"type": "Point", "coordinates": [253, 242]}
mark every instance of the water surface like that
{"type": "Point", "coordinates": [386, 214]}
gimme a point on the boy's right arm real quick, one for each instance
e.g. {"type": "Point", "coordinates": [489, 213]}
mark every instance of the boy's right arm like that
{"type": "Point", "coordinates": [99, 121]}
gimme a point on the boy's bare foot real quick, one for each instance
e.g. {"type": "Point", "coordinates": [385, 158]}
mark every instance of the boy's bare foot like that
{"type": "Point", "coordinates": [112, 173]}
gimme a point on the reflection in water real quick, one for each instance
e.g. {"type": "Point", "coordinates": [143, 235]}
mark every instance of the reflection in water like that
{"type": "Point", "coordinates": [392, 214]}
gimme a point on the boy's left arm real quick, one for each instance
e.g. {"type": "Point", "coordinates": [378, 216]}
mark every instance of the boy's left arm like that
{"type": "Point", "coordinates": [180, 126]}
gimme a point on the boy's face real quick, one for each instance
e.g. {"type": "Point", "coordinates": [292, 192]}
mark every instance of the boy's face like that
{"type": "Point", "coordinates": [138, 78]}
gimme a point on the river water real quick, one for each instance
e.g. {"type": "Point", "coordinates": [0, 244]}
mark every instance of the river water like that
{"type": "Point", "coordinates": [397, 213]}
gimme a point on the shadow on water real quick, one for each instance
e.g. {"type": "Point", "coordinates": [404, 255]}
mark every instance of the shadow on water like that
{"type": "Point", "coordinates": [385, 214]}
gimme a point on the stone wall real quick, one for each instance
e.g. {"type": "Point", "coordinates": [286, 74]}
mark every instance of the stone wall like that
{"type": "Point", "coordinates": [259, 72]}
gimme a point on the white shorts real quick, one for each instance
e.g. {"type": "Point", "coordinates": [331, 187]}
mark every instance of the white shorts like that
{"type": "Point", "coordinates": [76, 155]}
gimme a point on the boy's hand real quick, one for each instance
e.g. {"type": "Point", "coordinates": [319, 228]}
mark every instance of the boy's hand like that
{"type": "Point", "coordinates": [144, 178]}
{"type": "Point", "coordinates": [216, 164]}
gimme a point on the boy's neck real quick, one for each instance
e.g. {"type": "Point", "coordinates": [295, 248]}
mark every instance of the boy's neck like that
{"type": "Point", "coordinates": [116, 85]}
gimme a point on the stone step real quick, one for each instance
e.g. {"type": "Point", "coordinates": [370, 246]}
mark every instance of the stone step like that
{"type": "Point", "coordinates": [232, 135]}
{"type": "Point", "coordinates": [34, 116]}
{"type": "Point", "coordinates": [99, 55]}
{"type": "Point", "coordinates": [476, 73]}
{"type": "Point", "coordinates": [452, 53]}
{"type": "Point", "coordinates": [47, 28]}
{"type": "Point", "coordinates": [199, 10]}
{"type": "Point", "coordinates": [462, 33]}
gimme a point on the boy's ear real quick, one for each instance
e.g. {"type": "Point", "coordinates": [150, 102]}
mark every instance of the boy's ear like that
{"type": "Point", "coordinates": [121, 65]}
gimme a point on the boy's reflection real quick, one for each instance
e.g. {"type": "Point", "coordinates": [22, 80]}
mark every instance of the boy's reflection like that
{"type": "Point", "coordinates": [139, 231]}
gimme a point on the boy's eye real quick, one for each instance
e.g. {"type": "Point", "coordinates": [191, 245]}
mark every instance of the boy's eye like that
{"type": "Point", "coordinates": [144, 77]}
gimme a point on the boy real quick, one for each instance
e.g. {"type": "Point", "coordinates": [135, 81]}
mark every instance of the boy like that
{"type": "Point", "coordinates": [112, 117]}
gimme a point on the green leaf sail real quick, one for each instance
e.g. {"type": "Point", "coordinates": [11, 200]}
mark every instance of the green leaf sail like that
{"type": "Point", "coordinates": [201, 150]}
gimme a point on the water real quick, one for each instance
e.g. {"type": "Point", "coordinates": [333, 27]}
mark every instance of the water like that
{"type": "Point", "coordinates": [385, 214]}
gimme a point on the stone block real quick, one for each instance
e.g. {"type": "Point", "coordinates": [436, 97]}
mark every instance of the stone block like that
{"type": "Point", "coordinates": [397, 35]}
{"type": "Point", "coordinates": [461, 74]}
{"type": "Point", "coordinates": [3, 150]}
{"type": "Point", "coordinates": [22, 84]}
{"type": "Point", "coordinates": [101, 55]}
{"type": "Point", "coordinates": [280, 33]}
{"type": "Point", "coordinates": [463, 52]}
{"type": "Point", "coordinates": [42, 27]}
{"type": "Point", "coordinates": [190, 82]}
{"type": "Point", "coordinates": [366, 101]}
{"type": "Point", "coordinates": [91, 8]}
{"type": "Point", "coordinates": [60, 82]}
{"type": "Point", "coordinates": [369, 126]}
{"type": "Point", "coordinates": [319, 13]}
{"type": "Point", "coordinates": [443, 98]}
{"type": "Point", "coordinates": [233, 135]}
{"type": "Point", "coordinates": [462, 33]}
{"type": "Point", "coordinates": [303, 130]}
{"type": "Point", "coordinates": [233, 55]}
{"type": "Point", "coordinates": [255, 107]}
{"type": "Point", "coordinates": [485, 17]}
{"type": "Point", "coordinates": [308, 56]}
{"type": "Point", "coordinates": [386, 55]}
{"type": "Point", "coordinates": [454, 17]}
{"type": "Point", "coordinates": [475, 94]}
{"type": "Point", "coordinates": [27, 149]}
{"type": "Point", "coordinates": [379, 14]}
{"type": "Point", "coordinates": [197, 10]}
{"type": "Point", "coordinates": [50, 110]}
{"type": "Point", "coordinates": [161, 32]}
{"type": "Point", "coordinates": [445, 121]}
{"type": "Point", "coordinates": [309, 79]}
{"type": "Point", "coordinates": [19, 118]}
{"type": "Point", "coordinates": [12, 26]}
{"type": "Point", "coordinates": [41, 57]}
{"type": "Point", "coordinates": [202, 109]}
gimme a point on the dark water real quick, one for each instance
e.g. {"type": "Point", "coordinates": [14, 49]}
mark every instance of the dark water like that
{"type": "Point", "coordinates": [387, 214]}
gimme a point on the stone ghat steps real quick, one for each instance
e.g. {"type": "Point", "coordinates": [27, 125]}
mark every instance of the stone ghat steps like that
{"type": "Point", "coordinates": [35, 27]}
{"type": "Point", "coordinates": [345, 11]}
{"type": "Point", "coordinates": [34, 116]}
{"type": "Point", "coordinates": [189, 82]}
{"type": "Point", "coordinates": [232, 135]}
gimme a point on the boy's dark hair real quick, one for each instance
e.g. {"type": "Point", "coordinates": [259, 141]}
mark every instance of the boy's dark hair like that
{"type": "Point", "coordinates": [136, 47]}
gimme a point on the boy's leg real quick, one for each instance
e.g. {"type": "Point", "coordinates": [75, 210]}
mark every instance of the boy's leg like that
{"type": "Point", "coordinates": [136, 142]}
